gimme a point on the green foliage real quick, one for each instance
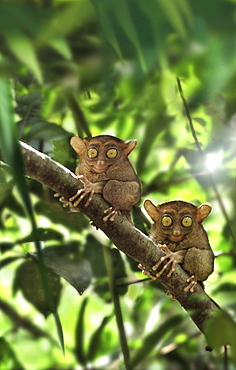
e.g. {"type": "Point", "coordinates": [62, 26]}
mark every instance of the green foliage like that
{"type": "Point", "coordinates": [223, 323]}
{"type": "Point", "coordinates": [34, 293]}
{"type": "Point", "coordinates": [63, 261]}
{"type": "Point", "coordinates": [91, 67]}
{"type": "Point", "coordinates": [8, 358]}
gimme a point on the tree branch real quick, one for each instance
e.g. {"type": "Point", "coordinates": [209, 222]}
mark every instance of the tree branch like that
{"type": "Point", "coordinates": [126, 237]}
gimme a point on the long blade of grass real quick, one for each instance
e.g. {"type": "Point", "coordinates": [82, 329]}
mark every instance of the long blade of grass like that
{"type": "Point", "coordinates": [117, 308]}
{"type": "Point", "coordinates": [79, 334]}
{"type": "Point", "coordinates": [12, 155]}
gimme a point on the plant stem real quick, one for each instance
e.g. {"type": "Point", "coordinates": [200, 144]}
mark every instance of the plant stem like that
{"type": "Point", "coordinates": [117, 307]}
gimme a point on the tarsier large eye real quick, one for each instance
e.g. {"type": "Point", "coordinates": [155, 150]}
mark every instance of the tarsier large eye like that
{"type": "Point", "coordinates": [186, 221]}
{"type": "Point", "coordinates": [92, 152]}
{"type": "Point", "coordinates": [166, 221]}
{"type": "Point", "coordinates": [112, 153]}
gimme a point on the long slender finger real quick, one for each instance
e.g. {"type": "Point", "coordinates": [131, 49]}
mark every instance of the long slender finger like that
{"type": "Point", "coordinates": [113, 214]}
{"type": "Point", "coordinates": [90, 198]}
{"type": "Point", "coordinates": [192, 282]}
{"type": "Point", "coordinates": [141, 267]}
{"type": "Point", "coordinates": [162, 259]}
{"type": "Point", "coordinates": [110, 215]}
{"type": "Point", "coordinates": [76, 195]}
{"type": "Point", "coordinates": [82, 195]}
{"type": "Point", "coordinates": [163, 269]}
{"type": "Point", "coordinates": [171, 270]}
{"type": "Point", "coordinates": [146, 272]}
{"type": "Point", "coordinates": [108, 210]}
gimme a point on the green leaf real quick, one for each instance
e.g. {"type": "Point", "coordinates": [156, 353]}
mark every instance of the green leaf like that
{"type": "Point", "coordinates": [151, 340]}
{"type": "Point", "coordinates": [79, 334]}
{"type": "Point", "coordinates": [22, 48]}
{"type": "Point", "coordinates": [43, 234]}
{"type": "Point", "coordinates": [94, 254]}
{"type": "Point", "coordinates": [71, 16]}
{"type": "Point", "coordinates": [107, 25]}
{"type": "Point", "coordinates": [95, 341]}
{"type": "Point", "coordinates": [6, 261]}
{"type": "Point", "coordinates": [31, 98]}
{"type": "Point", "coordinates": [8, 358]}
{"type": "Point", "coordinates": [43, 130]}
{"type": "Point", "coordinates": [13, 204]}
{"type": "Point", "coordinates": [124, 18]}
{"type": "Point", "coordinates": [6, 246]}
{"type": "Point", "coordinates": [59, 330]}
{"type": "Point", "coordinates": [12, 154]}
{"type": "Point", "coordinates": [228, 287]}
{"type": "Point", "coordinates": [61, 46]}
{"type": "Point", "coordinates": [61, 261]}
{"type": "Point", "coordinates": [62, 152]}
{"type": "Point", "coordinates": [73, 221]}
{"type": "Point", "coordinates": [28, 280]}
{"type": "Point", "coordinates": [220, 331]}
{"type": "Point", "coordinates": [173, 11]}
{"type": "Point", "coordinates": [5, 191]}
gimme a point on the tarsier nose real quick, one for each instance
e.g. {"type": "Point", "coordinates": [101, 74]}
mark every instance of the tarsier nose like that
{"type": "Point", "coordinates": [176, 232]}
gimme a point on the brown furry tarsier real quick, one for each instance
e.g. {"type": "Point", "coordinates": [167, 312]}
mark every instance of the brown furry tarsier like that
{"type": "Point", "coordinates": [104, 168]}
{"type": "Point", "coordinates": [178, 231]}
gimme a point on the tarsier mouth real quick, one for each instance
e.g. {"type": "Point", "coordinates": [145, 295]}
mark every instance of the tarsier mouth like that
{"type": "Point", "coordinates": [99, 169]}
{"type": "Point", "coordinates": [176, 238]}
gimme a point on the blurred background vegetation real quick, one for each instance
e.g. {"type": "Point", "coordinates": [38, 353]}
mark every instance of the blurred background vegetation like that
{"type": "Point", "coordinates": [91, 67]}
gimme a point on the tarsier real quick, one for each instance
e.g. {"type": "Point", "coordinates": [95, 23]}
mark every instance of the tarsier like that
{"type": "Point", "coordinates": [104, 168]}
{"type": "Point", "coordinates": [178, 231]}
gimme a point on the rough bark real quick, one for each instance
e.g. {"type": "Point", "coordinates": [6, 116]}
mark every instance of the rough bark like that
{"type": "Point", "coordinates": [125, 237]}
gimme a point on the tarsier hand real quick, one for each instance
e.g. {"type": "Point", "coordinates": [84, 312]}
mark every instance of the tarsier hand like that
{"type": "Point", "coordinates": [89, 189]}
{"type": "Point", "coordinates": [74, 201]}
{"type": "Point", "coordinates": [170, 259]}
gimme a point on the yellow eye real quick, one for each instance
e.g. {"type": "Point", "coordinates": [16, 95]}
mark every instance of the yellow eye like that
{"type": "Point", "coordinates": [112, 153]}
{"type": "Point", "coordinates": [92, 153]}
{"type": "Point", "coordinates": [186, 221]}
{"type": "Point", "coordinates": [166, 221]}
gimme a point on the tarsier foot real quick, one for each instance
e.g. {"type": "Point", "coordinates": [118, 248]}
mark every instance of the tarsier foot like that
{"type": "Point", "coordinates": [111, 212]}
{"type": "Point", "coordinates": [171, 262]}
{"type": "Point", "coordinates": [66, 203]}
{"type": "Point", "coordinates": [146, 272]}
{"type": "Point", "coordinates": [192, 280]}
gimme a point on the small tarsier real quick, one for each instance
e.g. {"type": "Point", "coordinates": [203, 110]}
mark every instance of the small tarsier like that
{"type": "Point", "coordinates": [104, 168]}
{"type": "Point", "coordinates": [178, 231]}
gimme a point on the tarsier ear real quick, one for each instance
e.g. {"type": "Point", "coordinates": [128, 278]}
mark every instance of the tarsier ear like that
{"type": "Point", "coordinates": [78, 144]}
{"type": "Point", "coordinates": [130, 145]}
{"type": "Point", "coordinates": [151, 209]}
{"type": "Point", "coordinates": [203, 211]}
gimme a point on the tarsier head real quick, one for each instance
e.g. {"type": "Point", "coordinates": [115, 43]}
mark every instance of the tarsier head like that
{"type": "Point", "coordinates": [101, 152]}
{"type": "Point", "coordinates": [176, 219]}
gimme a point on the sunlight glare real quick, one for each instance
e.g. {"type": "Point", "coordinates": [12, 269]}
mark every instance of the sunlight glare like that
{"type": "Point", "coordinates": [213, 160]}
